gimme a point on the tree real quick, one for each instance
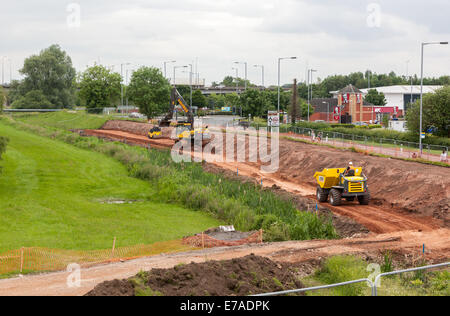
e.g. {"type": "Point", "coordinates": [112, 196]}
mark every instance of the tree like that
{"type": "Point", "coordinates": [436, 113]}
{"type": "Point", "coordinates": [99, 88]}
{"type": "Point", "coordinates": [52, 73]}
{"type": "Point", "coordinates": [34, 99]}
{"type": "Point", "coordinates": [150, 91]}
{"type": "Point", "coordinates": [198, 99]}
{"type": "Point", "coordinates": [2, 98]}
{"type": "Point", "coordinates": [375, 98]}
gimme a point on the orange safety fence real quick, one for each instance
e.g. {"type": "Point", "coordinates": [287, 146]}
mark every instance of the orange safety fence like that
{"type": "Point", "coordinates": [31, 260]}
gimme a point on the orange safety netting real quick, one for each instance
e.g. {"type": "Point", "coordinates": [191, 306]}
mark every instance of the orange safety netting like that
{"type": "Point", "coordinates": [27, 260]}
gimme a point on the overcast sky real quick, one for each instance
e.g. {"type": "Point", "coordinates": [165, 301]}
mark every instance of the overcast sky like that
{"type": "Point", "coordinates": [334, 37]}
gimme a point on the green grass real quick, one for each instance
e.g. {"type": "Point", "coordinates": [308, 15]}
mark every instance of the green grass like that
{"type": "Point", "coordinates": [246, 206]}
{"type": "Point", "coordinates": [63, 120]}
{"type": "Point", "coordinates": [51, 195]}
{"type": "Point", "coordinates": [347, 268]}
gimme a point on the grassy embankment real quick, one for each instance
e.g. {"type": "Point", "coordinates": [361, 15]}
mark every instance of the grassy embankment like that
{"type": "Point", "coordinates": [56, 195]}
{"type": "Point", "coordinates": [246, 206]}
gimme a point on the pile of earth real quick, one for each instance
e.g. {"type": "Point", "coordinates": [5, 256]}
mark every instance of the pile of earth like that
{"type": "Point", "coordinates": [237, 277]}
{"type": "Point", "coordinates": [135, 128]}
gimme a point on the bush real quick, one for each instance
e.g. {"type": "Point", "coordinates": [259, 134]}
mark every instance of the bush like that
{"type": "Point", "coordinates": [342, 269]}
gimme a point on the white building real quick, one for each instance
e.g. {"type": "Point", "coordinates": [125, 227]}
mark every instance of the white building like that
{"type": "Point", "coordinates": [399, 96]}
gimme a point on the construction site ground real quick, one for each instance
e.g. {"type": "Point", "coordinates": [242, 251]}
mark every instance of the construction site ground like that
{"type": "Point", "coordinates": [409, 209]}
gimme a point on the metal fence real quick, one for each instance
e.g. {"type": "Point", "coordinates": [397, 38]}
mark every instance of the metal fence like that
{"type": "Point", "coordinates": [374, 285]}
{"type": "Point", "coordinates": [382, 146]}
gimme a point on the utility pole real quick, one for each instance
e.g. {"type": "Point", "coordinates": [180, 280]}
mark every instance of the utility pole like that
{"type": "Point", "coordinates": [279, 77]}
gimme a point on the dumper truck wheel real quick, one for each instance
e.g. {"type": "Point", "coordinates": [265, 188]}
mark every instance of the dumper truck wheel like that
{"type": "Point", "coordinates": [322, 194]}
{"type": "Point", "coordinates": [364, 200]}
{"type": "Point", "coordinates": [335, 197]}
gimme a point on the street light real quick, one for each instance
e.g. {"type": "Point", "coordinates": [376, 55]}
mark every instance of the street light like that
{"type": "Point", "coordinates": [165, 66]}
{"type": "Point", "coordinates": [421, 90]}
{"type": "Point", "coordinates": [279, 78]}
{"type": "Point", "coordinates": [175, 73]}
{"type": "Point", "coordinates": [244, 63]}
{"type": "Point", "coordinates": [237, 79]}
{"type": "Point", "coordinates": [310, 74]}
{"type": "Point", "coordinates": [121, 80]}
{"type": "Point", "coordinates": [262, 68]}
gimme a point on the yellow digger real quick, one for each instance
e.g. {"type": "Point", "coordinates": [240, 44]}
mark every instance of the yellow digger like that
{"type": "Point", "coordinates": [184, 129]}
{"type": "Point", "coordinates": [342, 183]}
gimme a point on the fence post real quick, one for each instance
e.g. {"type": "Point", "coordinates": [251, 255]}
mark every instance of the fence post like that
{"type": "Point", "coordinates": [21, 260]}
{"type": "Point", "coordinates": [113, 248]}
{"type": "Point", "coordinates": [203, 240]}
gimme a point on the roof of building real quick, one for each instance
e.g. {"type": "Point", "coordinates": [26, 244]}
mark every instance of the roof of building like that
{"type": "Point", "coordinates": [321, 105]}
{"type": "Point", "coordinates": [404, 89]}
{"type": "Point", "coordinates": [400, 89]}
{"type": "Point", "coordinates": [350, 89]}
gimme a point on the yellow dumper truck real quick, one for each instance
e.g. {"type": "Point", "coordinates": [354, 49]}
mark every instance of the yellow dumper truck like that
{"type": "Point", "coordinates": [338, 184]}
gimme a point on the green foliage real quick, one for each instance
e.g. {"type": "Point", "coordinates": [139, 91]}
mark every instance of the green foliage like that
{"type": "Point", "coordinates": [436, 113]}
{"type": "Point", "coordinates": [3, 98]}
{"type": "Point", "coordinates": [150, 91]}
{"type": "Point", "coordinates": [50, 72]}
{"type": "Point", "coordinates": [361, 81]}
{"type": "Point", "coordinates": [376, 98]}
{"type": "Point", "coordinates": [34, 99]}
{"type": "Point", "coordinates": [99, 87]}
{"type": "Point", "coordinates": [3, 144]}
{"type": "Point", "coordinates": [342, 269]}
{"type": "Point", "coordinates": [198, 99]}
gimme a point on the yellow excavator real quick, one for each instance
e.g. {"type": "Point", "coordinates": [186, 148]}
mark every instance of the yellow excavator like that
{"type": "Point", "coordinates": [185, 130]}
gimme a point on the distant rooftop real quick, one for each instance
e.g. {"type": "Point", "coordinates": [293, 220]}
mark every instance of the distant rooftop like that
{"type": "Point", "coordinates": [401, 89]}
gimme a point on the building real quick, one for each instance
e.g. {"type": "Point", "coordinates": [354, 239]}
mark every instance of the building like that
{"type": "Point", "coordinates": [348, 106]}
{"type": "Point", "coordinates": [399, 96]}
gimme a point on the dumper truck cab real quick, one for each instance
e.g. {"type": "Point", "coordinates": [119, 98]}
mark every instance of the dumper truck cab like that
{"type": "Point", "coordinates": [338, 184]}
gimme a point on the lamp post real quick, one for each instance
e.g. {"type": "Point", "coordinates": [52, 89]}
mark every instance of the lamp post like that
{"type": "Point", "coordinates": [237, 79]}
{"type": "Point", "coordinates": [190, 85]}
{"type": "Point", "coordinates": [244, 63]}
{"type": "Point", "coordinates": [121, 80]}
{"type": "Point", "coordinates": [3, 69]}
{"type": "Point", "coordinates": [421, 90]}
{"type": "Point", "coordinates": [262, 68]}
{"type": "Point", "coordinates": [310, 74]}
{"type": "Point", "coordinates": [279, 77]}
{"type": "Point", "coordinates": [165, 66]}
{"type": "Point", "coordinates": [175, 73]}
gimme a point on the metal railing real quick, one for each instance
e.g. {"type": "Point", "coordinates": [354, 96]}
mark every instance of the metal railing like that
{"type": "Point", "coordinates": [372, 284]}
{"type": "Point", "coordinates": [384, 146]}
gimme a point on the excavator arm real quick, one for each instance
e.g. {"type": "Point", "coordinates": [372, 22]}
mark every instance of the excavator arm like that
{"type": "Point", "coordinates": [177, 99]}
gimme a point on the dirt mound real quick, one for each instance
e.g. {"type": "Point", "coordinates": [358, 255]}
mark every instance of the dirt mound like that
{"type": "Point", "coordinates": [412, 187]}
{"type": "Point", "coordinates": [236, 277]}
{"type": "Point", "coordinates": [135, 128]}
